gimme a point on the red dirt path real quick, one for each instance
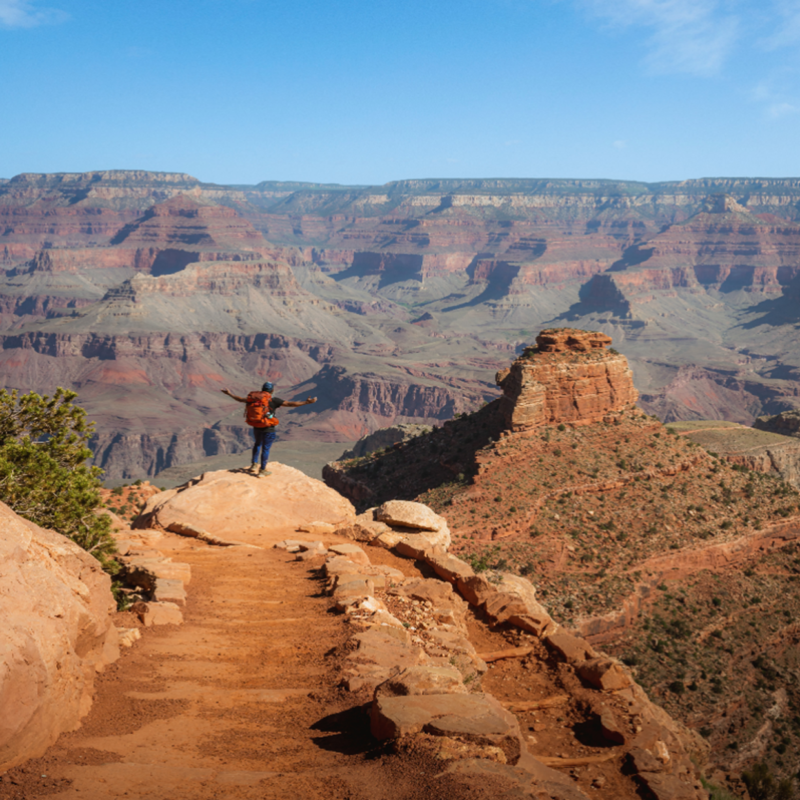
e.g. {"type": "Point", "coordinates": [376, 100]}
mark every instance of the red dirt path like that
{"type": "Point", "coordinates": [239, 702]}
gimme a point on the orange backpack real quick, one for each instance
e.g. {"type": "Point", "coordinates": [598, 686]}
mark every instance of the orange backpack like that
{"type": "Point", "coordinates": [257, 411]}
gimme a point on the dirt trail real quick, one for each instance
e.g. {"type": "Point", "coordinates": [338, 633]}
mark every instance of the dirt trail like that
{"type": "Point", "coordinates": [220, 706]}
{"type": "Point", "coordinates": [242, 702]}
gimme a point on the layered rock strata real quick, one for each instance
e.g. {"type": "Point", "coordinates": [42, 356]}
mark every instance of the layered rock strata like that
{"type": "Point", "coordinates": [769, 446]}
{"type": "Point", "coordinates": [787, 423]}
{"type": "Point", "coordinates": [57, 634]}
{"type": "Point", "coordinates": [569, 377]}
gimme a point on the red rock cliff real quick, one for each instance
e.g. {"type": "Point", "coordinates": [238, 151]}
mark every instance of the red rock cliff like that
{"type": "Point", "coordinates": [569, 376]}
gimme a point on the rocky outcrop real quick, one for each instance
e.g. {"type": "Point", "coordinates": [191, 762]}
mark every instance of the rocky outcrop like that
{"type": "Point", "coordinates": [569, 377]}
{"type": "Point", "coordinates": [412, 653]}
{"type": "Point", "coordinates": [239, 507]}
{"type": "Point", "coordinates": [787, 423]}
{"type": "Point", "coordinates": [55, 603]}
{"type": "Point", "coordinates": [761, 448]}
{"type": "Point", "coordinates": [384, 437]}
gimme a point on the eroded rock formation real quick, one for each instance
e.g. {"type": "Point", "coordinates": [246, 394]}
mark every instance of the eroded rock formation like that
{"type": "Point", "coordinates": [55, 606]}
{"type": "Point", "coordinates": [569, 377]}
{"type": "Point", "coordinates": [757, 448]}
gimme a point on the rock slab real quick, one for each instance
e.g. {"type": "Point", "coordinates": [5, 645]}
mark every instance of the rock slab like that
{"type": "Point", "coordinates": [55, 604]}
{"type": "Point", "coordinates": [239, 507]}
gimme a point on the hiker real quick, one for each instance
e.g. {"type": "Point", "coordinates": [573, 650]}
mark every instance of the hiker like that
{"type": "Point", "coordinates": [260, 415]}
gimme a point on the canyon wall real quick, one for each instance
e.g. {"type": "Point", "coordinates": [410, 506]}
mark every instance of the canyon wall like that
{"type": "Point", "coordinates": [417, 282]}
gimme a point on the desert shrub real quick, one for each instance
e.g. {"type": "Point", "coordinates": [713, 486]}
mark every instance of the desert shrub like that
{"type": "Point", "coordinates": [717, 792]}
{"type": "Point", "coordinates": [762, 785]}
{"type": "Point", "coordinates": [44, 476]}
{"type": "Point", "coordinates": [484, 560]}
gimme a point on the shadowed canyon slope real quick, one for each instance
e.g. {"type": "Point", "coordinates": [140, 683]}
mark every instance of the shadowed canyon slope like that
{"type": "Point", "coordinates": [148, 292]}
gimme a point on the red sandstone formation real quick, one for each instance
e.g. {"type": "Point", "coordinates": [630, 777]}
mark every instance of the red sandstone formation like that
{"type": "Point", "coordinates": [568, 377]}
{"type": "Point", "coordinates": [55, 603]}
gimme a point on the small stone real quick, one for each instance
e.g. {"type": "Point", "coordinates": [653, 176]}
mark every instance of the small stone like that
{"type": "Point", "coordinates": [127, 636]}
{"type": "Point", "coordinates": [162, 613]}
{"type": "Point", "coordinates": [351, 552]}
{"type": "Point", "coordinates": [168, 590]}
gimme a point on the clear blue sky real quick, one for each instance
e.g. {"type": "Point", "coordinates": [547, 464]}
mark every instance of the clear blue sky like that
{"type": "Point", "coordinates": [368, 91]}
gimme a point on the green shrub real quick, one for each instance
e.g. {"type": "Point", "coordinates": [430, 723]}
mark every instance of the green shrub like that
{"type": "Point", "coordinates": [44, 476]}
{"type": "Point", "coordinates": [480, 562]}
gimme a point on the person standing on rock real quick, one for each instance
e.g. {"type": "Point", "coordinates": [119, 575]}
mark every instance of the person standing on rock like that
{"type": "Point", "coordinates": [260, 415]}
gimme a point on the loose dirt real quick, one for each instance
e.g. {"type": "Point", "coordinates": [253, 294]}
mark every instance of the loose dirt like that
{"type": "Point", "coordinates": [241, 701]}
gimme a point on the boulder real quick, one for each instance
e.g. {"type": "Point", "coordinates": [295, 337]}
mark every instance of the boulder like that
{"type": "Point", "coordinates": [351, 552]}
{"type": "Point", "coordinates": [642, 760]}
{"type": "Point", "coordinates": [569, 648]}
{"type": "Point", "coordinates": [410, 515]}
{"type": "Point", "coordinates": [169, 590]}
{"type": "Point", "coordinates": [419, 550]}
{"type": "Point", "coordinates": [449, 567]}
{"type": "Point", "coordinates": [379, 652]}
{"type": "Point", "coordinates": [363, 528]}
{"type": "Point", "coordinates": [162, 613]}
{"type": "Point", "coordinates": [604, 674]}
{"type": "Point", "coordinates": [476, 589]}
{"type": "Point", "coordinates": [534, 780]}
{"type": "Point", "coordinates": [473, 717]}
{"type": "Point", "coordinates": [510, 598]}
{"type": "Point", "coordinates": [55, 604]}
{"type": "Point", "coordinates": [241, 507]}
{"type": "Point", "coordinates": [610, 728]}
{"type": "Point", "coordinates": [144, 571]}
{"type": "Point", "coordinates": [423, 681]}
{"type": "Point", "coordinates": [438, 593]}
{"type": "Point", "coordinates": [420, 541]}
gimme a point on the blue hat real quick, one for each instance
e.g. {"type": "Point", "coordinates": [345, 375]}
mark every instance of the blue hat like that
{"type": "Point", "coordinates": [268, 386]}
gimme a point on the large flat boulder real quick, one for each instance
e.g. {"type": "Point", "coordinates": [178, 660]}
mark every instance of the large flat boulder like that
{"type": "Point", "coordinates": [474, 717]}
{"type": "Point", "coordinates": [240, 507]}
{"type": "Point", "coordinates": [410, 515]}
{"type": "Point", "coordinates": [55, 606]}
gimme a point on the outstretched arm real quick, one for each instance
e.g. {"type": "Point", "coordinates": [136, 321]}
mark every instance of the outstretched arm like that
{"type": "Point", "coordinates": [296, 403]}
{"type": "Point", "coordinates": [234, 396]}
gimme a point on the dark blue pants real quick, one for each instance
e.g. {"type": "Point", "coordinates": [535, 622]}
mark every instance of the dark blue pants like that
{"type": "Point", "coordinates": [264, 439]}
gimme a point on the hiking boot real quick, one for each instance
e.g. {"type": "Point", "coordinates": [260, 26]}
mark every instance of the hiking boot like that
{"type": "Point", "coordinates": [253, 468]}
{"type": "Point", "coordinates": [263, 473]}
